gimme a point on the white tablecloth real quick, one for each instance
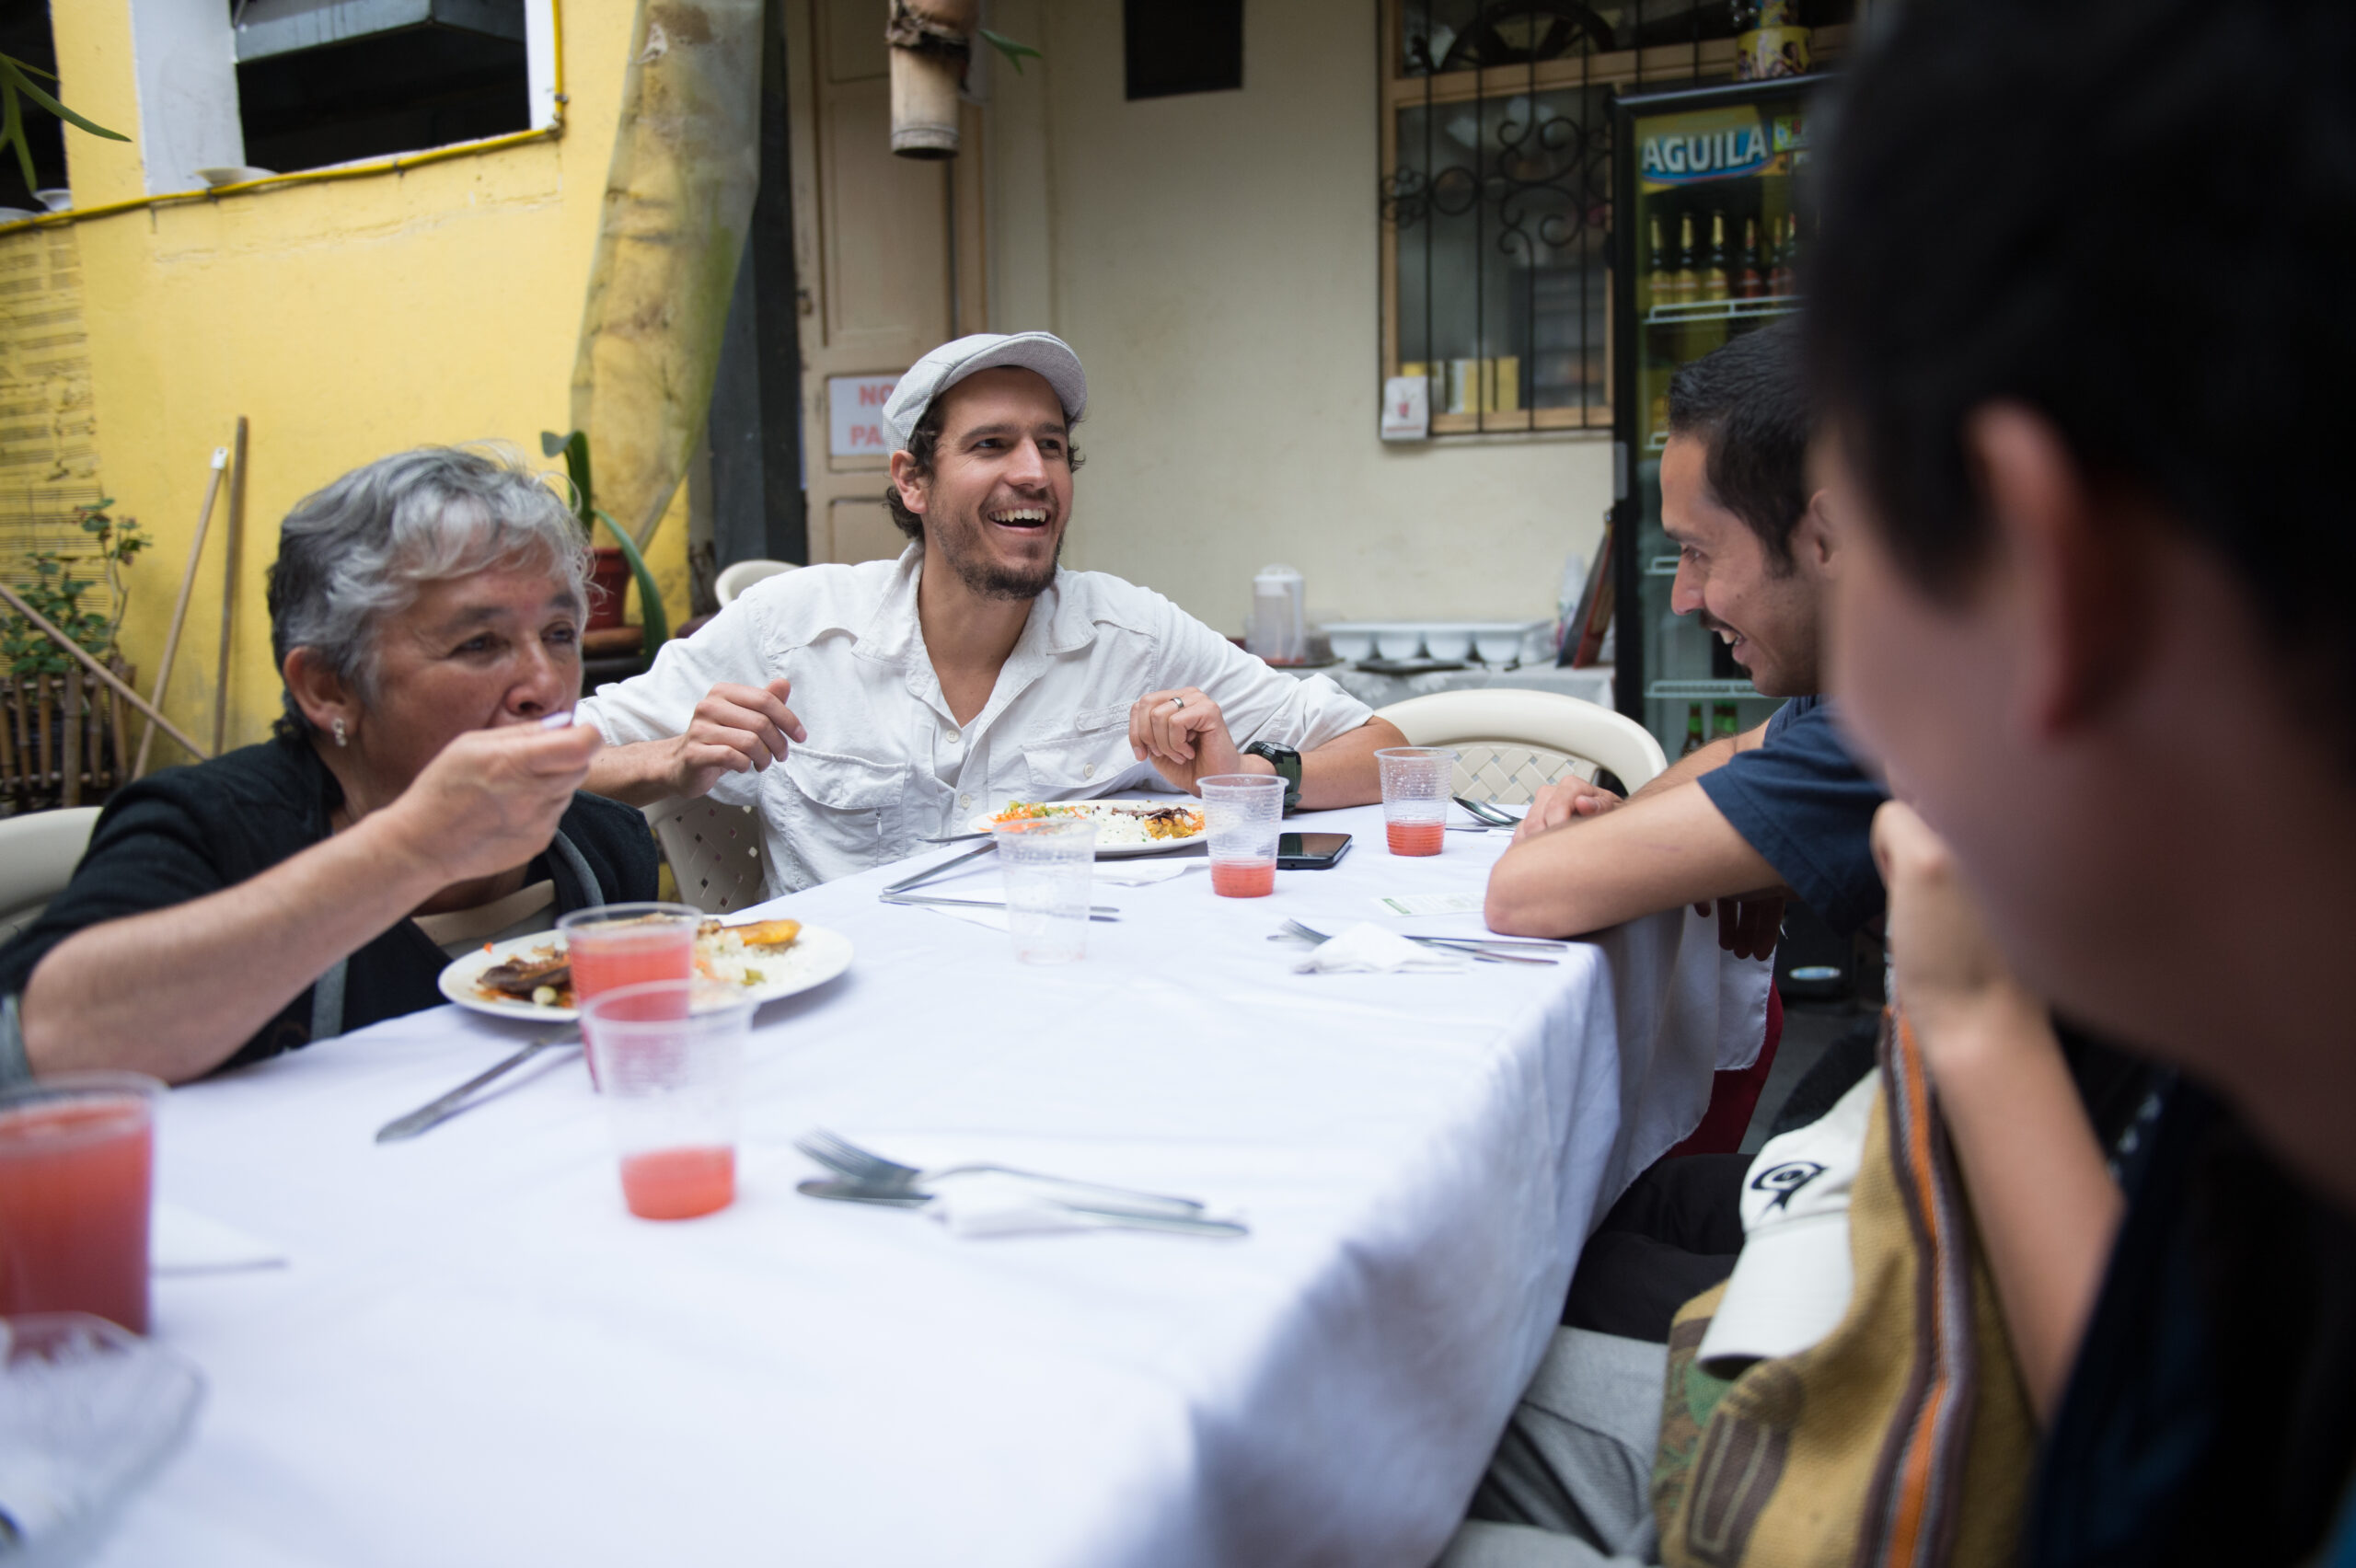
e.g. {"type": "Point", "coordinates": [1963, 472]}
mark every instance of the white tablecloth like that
{"type": "Point", "coordinates": [475, 1356]}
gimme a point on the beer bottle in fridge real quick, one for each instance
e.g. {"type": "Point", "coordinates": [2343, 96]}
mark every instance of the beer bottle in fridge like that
{"type": "Point", "coordinates": [1782, 240]}
{"type": "Point", "coordinates": [1685, 286]}
{"type": "Point", "coordinates": [1658, 289]}
{"type": "Point", "coordinates": [1714, 275]}
{"type": "Point", "coordinates": [1748, 283]}
{"type": "Point", "coordinates": [1692, 730]}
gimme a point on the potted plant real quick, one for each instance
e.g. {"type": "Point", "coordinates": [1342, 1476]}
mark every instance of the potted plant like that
{"type": "Point", "coordinates": [616, 563]}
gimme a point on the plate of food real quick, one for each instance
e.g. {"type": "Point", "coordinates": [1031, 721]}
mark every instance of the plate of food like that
{"type": "Point", "coordinates": [1123, 827]}
{"type": "Point", "coordinates": [527, 977]}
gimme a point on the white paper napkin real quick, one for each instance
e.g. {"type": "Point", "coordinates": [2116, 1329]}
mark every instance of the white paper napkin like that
{"type": "Point", "coordinates": [994, 1203]}
{"type": "Point", "coordinates": [991, 1203]}
{"type": "Point", "coordinates": [181, 1241]}
{"type": "Point", "coordinates": [1368, 948]}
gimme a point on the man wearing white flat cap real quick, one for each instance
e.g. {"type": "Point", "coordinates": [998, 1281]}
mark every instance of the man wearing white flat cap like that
{"type": "Point", "coordinates": [973, 670]}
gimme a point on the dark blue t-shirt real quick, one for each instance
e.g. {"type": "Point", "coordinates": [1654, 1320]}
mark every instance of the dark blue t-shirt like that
{"type": "Point", "coordinates": [1805, 806]}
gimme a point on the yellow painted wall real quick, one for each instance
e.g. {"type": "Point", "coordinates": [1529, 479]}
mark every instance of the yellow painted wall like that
{"type": "Point", "coordinates": [345, 319]}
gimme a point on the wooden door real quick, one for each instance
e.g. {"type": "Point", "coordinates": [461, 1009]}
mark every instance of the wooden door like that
{"type": "Point", "coordinates": [889, 252]}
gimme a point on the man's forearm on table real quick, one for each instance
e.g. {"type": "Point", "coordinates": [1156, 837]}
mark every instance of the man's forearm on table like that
{"type": "Point", "coordinates": [1651, 855]}
{"type": "Point", "coordinates": [1343, 772]}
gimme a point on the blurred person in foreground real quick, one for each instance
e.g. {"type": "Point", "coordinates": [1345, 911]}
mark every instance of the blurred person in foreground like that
{"type": "Point", "coordinates": [1915, 1270]}
{"type": "Point", "coordinates": [425, 614]}
{"type": "Point", "coordinates": [972, 670]}
{"type": "Point", "coordinates": [1780, 808]}
{"type": "Point", "coordinates": [2075, 315]}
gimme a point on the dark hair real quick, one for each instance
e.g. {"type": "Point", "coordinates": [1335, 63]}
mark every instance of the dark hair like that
{"type": "Point", "coordinates": [1748, 402]}
{"type": "Point", "coordinates": [2134, 216]}
{"type": "Point", "coordinates": [924, 445]}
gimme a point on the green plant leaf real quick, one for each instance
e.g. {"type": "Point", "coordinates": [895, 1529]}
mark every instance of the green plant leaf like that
{"type": "Point", "coordinates": [1012, 51]}
{"type": "Point", "coordinates": [650, 598]}
{"type": "Point", "coordinates": [12, 123]}
{"type": "Point", "coordinates": [15, 70]}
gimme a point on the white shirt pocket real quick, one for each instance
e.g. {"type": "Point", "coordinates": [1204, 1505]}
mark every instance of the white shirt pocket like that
{"type": "Point", "coordinates": [1089, 760]}
{"type": "Point", "coordinates": [840, 814]}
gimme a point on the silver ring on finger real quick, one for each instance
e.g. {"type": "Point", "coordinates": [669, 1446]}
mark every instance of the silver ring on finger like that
{"type": "Point", "coordinates": [1176, 703]}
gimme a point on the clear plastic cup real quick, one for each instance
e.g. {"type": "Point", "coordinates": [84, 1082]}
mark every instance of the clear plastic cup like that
{"type": "Point", "coordinates": [669, 1054]}
{"type": "Point", "coordinates": [1242, 814]}
{"type": "Point", "coordinates": [78, 1158]}
{"type": "Point", "coordinates": [1416, 782]}
{"type": "Point", "coordinates": [1048, 864]}
{"type": "Point", "coordinates": [612, 945]}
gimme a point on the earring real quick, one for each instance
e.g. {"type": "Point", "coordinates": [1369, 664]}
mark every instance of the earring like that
{"type": "Point", "coordinates": [341, 739]}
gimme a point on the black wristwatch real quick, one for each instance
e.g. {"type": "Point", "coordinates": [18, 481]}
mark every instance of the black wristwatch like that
{"type": "Point", "coordinates": [1286, 762]}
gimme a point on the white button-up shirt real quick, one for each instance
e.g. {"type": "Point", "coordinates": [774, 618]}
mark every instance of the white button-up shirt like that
{"type": "Point", "coordinates": [887, 764]}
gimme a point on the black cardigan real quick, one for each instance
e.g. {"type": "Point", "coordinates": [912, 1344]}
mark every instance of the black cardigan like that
{"type": "Point", "coordinates": [188, 832]}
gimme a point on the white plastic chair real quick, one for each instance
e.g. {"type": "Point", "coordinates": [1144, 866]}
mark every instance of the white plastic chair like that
{"type": "Point", "coordinates": [38, 853]}
{"type": "Point", "coordinates": [734, 579]}
{"type": "Point", "coordinates": [1510, 743]}
{"type": "Point", "coordinates": [714, 850]}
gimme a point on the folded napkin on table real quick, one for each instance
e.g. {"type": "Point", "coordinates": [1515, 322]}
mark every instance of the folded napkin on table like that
{"type": "Point", "coordinates": [1368, 948]}
{"type": "Point", "coordinates": [996, 1203]}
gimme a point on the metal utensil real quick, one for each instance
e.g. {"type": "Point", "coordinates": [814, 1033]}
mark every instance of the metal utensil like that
{"type": "Point", "coordinates": [925, 876]}
{"type": "Point", "coordinates": [1481, 811]}
{"type": "Point", "coordinates": [955, 838]}
{"type": "Point", "coordinates": [1104, 912]}
{"type": "Point", "coordinates": [1490, 951]}
{"type": "Point", "coordinates": [872, 1170]}
{"type": "Point", "coordinates": [434, 1112]}
{"type": "Point", "coordinates": [1110, 1218]}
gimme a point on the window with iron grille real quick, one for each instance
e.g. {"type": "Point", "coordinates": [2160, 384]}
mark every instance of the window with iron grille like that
{"type": "Point", "coordinates": [1497, 190]}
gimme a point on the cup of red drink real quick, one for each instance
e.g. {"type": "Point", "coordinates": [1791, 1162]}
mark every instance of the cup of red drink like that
{"type": "Point", "coordinates": [612, 945]}
{"type": "Point", "coordinates": [1416, 782]}
{"type": "Point", "coordinates": [669, 1055]}
{"type": "Point", "coordinates": [1243, 814]}
{"type": "Point", "coordinates": [76, 1166]}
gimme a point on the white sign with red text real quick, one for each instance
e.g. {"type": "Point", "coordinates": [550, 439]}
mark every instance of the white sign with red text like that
{"type": "Point", "coordinates": [1406, 409]}
{"type": "Point", "coordinates": [855, 415]}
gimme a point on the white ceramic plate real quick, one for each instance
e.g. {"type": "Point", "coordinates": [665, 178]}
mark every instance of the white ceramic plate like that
{"type": "Point", "coordinates": [817, 956]}
{"type": "Point", "coordinates": [1117, 851]}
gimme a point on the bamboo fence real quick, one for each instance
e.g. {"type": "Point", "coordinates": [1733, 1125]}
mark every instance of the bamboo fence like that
{"type": "Point", "coordinates": [62, 739]}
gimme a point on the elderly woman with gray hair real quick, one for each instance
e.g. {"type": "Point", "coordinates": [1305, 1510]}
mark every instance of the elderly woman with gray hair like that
{"type": "Point", "coordinates": [425, 613]}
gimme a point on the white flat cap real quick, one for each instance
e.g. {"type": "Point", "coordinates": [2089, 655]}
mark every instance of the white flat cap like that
{"type": "Point", "coordinates": [947, 365]}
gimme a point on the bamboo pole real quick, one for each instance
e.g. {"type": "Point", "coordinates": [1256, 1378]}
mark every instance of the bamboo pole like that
{"type": "Point", "coordinates": [154, 719]}
{"type": "Point", "coordinates": [69, 741]}
{"type": "Point", "coordinates": [21, 780]}
{"type": "Point", "coordinates": [42, 733]}
{"type": "Point", "coordinates": [179, 615]}
{"type": "Point", "coordinates": [234, 536]}
{"type": "Point", "coordinates": [115, 726]}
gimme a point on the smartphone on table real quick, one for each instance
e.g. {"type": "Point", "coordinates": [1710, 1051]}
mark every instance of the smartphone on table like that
{"type": "Point", "coordinates": [1309, 852]}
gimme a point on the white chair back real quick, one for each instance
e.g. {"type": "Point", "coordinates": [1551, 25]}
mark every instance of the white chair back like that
{"type": "Point", "coordinates": [38, 853]}
{"type": "Point", "coordinates": [714, 850]}
{"type": "Point", "coordinates": [734, 579]}
{"type": "Point", "coordinates": [1511, 743]}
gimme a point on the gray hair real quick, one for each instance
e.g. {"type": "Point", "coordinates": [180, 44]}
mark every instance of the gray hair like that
{"type": "Point", "coordinates": [360, 550]}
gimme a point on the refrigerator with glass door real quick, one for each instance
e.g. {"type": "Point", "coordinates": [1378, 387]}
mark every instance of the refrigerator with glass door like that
{"type": "Point", "coordinates": [1706, 235]}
